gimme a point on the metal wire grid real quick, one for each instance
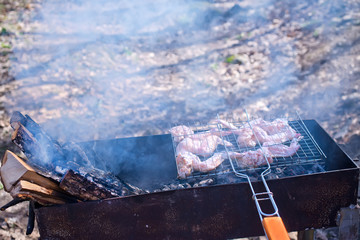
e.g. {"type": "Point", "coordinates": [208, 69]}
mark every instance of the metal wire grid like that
{"type": "Point", "coordinates": [307, 155]}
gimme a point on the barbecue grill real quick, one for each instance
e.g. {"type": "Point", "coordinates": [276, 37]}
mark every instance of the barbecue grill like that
{"type": "Point", "coordinates": [309, 189]}
{"type": "Point", "coordinates": [308, 154]}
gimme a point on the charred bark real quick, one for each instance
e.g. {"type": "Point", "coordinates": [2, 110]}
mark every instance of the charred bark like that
{"type": "Point", "coordinates": [67, 164]}
{"type": "Point", "coordinates": [83, 188]}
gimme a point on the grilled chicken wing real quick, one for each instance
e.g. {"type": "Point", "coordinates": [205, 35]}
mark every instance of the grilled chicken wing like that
{"type": "Point", "coordinates": [203, 145]}
{"type": "Point", "coordinates": [277, 131]}
{"type": "Point", "coordinates": [269, 151]}
{"type": "Point", "coordinates": [188, 162]}
{"type": "Point", "coordinates": [180, 132]}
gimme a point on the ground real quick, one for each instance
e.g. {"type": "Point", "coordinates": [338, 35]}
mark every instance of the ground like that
{"type": "Point", "coordinates": [88, 71]}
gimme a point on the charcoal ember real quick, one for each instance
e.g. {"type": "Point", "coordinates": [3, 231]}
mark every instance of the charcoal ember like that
{"type": "Point", "coordinates": [186, 185]}
{"type": "Point", "coordinates": [205, 182]}
{"type": "Point", "coordinates": [295, 170]}
{"type": "Point", "coordinates": [173, 186]}
{"type": "Point", "coordinates": [228, 178]}
{"type": "Point", "coordinates": [180, 186]}
{"type": "Point", "coordinates": [133, 189]}
{"type": "Point", "coordinates": [272, 176]}
{"type": "Point", "coordinates": [166, 188]}
{"type": "Point", "coordinates": [190, 181]}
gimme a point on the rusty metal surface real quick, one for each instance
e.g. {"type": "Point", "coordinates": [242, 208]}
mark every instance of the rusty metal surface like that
{"type": "Point", "coordinates": [212, 212]}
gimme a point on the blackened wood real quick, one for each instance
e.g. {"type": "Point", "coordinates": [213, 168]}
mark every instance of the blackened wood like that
{"type": "Point", "coordinates": [31, 219]}
{"type": "Point", "coordinates": [16, 118]}
{"type": "Point", "coordinates": [12, 203]}
{"type": "Point", "coordinates": [41, 151]}
{"type": "Point", "coordinates": [54, 160]}
{"type": "Point", "coordinates": [82, 188]}
{"type": "Point", "coordinates": [34, 151]}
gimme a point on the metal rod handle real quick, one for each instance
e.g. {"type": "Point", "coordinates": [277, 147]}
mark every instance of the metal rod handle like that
{"type": "Point", "coordinates": [270, 197]}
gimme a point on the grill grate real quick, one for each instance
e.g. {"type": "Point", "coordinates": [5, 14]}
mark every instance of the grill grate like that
{"type": "Point", "coordinates": [309, 158]}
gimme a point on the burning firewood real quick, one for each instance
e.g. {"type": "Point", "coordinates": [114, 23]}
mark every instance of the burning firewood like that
{"type": "Point", "coordinates": [81, 187]}
{"type": "Point", "coordinates": [66, 164]}
{"type": "Point", "coordinates": [53, 173]}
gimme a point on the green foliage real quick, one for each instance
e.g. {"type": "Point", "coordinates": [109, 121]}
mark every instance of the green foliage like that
{"type": "Point", "coordinates": [214, 66]}
{"type": "Point", "coordinates": [230, 59]}
{"type": "Point", "coordinates": [241, 36]}
{"type": "Point", "coordinates": [5, 45]}
{"type": "Point", "coordinates": [316, 33]}
{"type": "Point", "coordinates": [4, 31]}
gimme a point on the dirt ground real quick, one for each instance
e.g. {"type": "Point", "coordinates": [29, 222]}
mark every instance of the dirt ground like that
{"type": "Point", "coordinates": [86, 71]}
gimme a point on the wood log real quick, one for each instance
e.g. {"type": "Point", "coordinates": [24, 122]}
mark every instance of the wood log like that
{"type": "Point", "coordinates": [45, 201]}
{"type": "Point", "coordinates": [39, 153]}
{"type": "Point", "coordinates": [14, 169]}
{"type": "Point", "coordinates": [39, 193]}
{"type": "Point", "coordinates": [16, 118]}
{"type": "Point", "coordinates": [54, 160]}
{"type": "Point", "coordinates": [82, 188]}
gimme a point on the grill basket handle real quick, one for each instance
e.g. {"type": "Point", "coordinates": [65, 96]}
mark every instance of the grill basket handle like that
{"type": "Point", "coordinates": [275, 228]}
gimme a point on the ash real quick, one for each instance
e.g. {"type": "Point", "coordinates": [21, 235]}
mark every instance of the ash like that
{"type": "Point", "coordinates": [229, 177]}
